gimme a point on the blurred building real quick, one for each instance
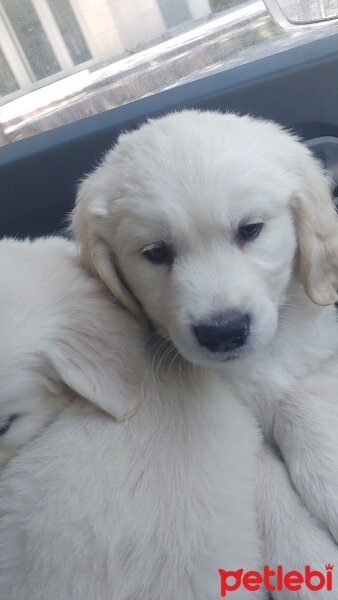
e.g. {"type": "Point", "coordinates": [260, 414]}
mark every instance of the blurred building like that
{"type": "Point", "coordinates": [48, 39]}
{"type": "Point", "coordinates": [64, 60]}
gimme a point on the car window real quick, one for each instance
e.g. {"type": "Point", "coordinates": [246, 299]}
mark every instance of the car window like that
{"type": "Point", "coordinates": [63, 60]}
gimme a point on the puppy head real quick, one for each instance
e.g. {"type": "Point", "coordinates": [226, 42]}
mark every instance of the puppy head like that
{"type": "Point", "coordinates": [199, 218]}
{"type": "Point", "coordinates": [58, 341]}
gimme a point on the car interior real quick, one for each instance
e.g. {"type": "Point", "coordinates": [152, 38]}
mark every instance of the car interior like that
{"type": "Point", "coordinates": [296, 86]}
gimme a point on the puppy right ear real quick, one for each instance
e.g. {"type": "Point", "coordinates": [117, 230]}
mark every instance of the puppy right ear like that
{"type": "Point", "coordinates": [89, 222]}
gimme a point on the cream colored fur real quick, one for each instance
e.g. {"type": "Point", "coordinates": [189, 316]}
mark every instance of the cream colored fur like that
{"type": "Point", "coordinates": [190, 180]}
{"type": "Point", "coordinates": [97, 508]}
{"type": "Point", "coordinates": [93, 505]}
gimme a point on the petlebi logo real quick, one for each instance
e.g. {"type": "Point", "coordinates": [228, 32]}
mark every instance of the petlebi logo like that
{"type": "Point", "coordinates": [275, 580]}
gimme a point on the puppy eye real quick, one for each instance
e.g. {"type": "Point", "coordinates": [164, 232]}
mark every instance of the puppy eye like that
{"type": "Point", "coordinates": [249, 232]}
{"type": "Point", "coordinates": [159, 254]}
{"type": "Point", "coordinates": [5, 423]}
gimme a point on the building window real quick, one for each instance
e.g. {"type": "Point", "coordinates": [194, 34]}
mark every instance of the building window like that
{"type": "Point", "coordinates": [8, 83]}
{"type": "Point", "coordinates": [217, 5]}
{"type": "Point", "coordinates": [70, 30]}
{"type": "Point", "coordinates": [174, 12]}
{"type": "Point", "coordinates": [32, 37]}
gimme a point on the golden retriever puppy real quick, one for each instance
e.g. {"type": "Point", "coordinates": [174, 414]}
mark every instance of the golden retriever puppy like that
{"type": "Point", "coordinates": [52, 335]}
{"type": "Point", "coordinates": [221, 230]}
{"type": "Point", "coordinates": [94, 505]}
{"type": "Point", "coordinates": [163, 505]}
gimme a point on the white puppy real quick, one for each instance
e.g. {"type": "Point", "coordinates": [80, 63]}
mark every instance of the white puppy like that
{"type": "Point", "coordinates": [220, 229]}
{"type": "Point", "coordinates": [49, 346]}
{"type": "Point", "coordinates": [150, 507]}
{"type": "Point", "coordinates": [94, 509]}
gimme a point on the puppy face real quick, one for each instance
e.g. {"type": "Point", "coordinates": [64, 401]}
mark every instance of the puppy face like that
{"type": "Point", "coordinates": [59, 340]}
{"type": "Point", "coordinates": [198, 217]}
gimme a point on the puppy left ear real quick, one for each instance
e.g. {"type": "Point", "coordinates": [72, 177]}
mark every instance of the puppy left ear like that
{"type": "Point", "coordinates": [317, 230]}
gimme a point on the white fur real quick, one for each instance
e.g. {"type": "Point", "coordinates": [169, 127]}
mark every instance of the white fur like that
{"type": "Point", "coordinates": [293, 387]}
{"type": "Point", "coordinates": [190, 180]}
{"type": "Point", "coordinates": [49, 346]}
{"type": "Point", "coordinates": [149, 507]}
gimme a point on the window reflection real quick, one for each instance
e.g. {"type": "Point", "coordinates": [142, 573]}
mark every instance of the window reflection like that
{"type": "Point", "coordinates": [62, 60]}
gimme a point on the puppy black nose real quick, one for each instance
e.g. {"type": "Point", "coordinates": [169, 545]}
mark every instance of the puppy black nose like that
{"type": "Point", "coordinates": [224, 332]}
